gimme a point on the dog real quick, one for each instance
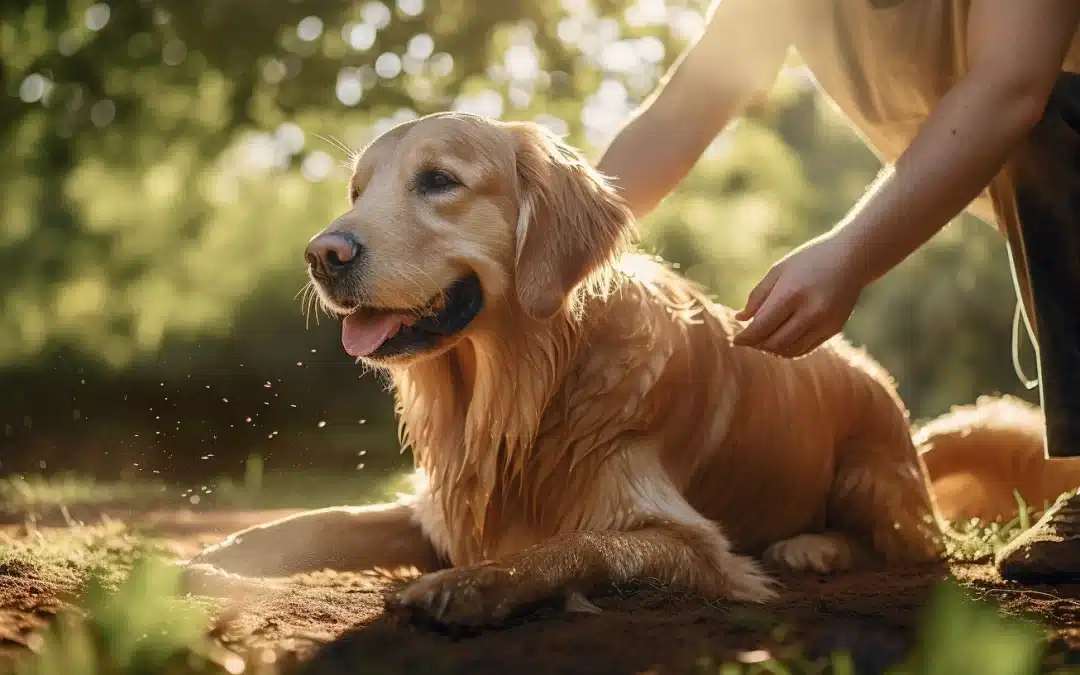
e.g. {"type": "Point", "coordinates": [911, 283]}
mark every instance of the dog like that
{"type": "Point", "coordinates": [576, 410]}
{"type": "Point", "coordinates": [980, 456]}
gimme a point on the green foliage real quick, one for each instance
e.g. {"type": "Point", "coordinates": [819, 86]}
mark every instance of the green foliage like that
{"type": "Point", "coordinates": [956, 634]}
{"type": "Point", "coordinates": [153, 179]}
{"type": "Point", "coordinates": [165, 162]}
{"type": "Point", "coordinates": [21, 494]}
{"type": "Point", "coordinates": [38, 496]}
{"type": "Point", "coordinates": [961, 635]}
{"type": "Point", "coordinates": [143, 627]}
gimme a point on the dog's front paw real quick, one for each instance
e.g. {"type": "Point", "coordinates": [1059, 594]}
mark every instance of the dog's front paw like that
{"type": "Point", "coordinates": [468, 598]}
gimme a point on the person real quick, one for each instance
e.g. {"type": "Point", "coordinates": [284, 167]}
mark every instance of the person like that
{"type": "Point", "coordinates": [973, 105]}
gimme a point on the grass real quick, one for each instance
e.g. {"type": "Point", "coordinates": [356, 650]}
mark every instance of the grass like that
{"type": "Point", "coordinates": [36, 495]}
{"type": "Point", "coordinates": [139, 628]}
{"type": "Point", "coordinates": [126, 615]}
{"type": "Point", "coordinates": [974, 540]}
{"type": "Point", "coordinates": [64, 561]}
{"type": "Point", "coordinates": [27, 493]}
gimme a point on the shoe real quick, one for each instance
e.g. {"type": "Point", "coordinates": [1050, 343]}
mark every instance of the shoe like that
{"type": "Point", "coordinates": [1047, 552]}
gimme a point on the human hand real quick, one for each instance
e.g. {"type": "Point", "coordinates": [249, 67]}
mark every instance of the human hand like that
{"type": "Point", "coordinates": [805, 299]}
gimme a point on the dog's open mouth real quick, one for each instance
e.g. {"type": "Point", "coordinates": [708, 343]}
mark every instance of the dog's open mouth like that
{"type": "Point", "coordinates": [384, 333]}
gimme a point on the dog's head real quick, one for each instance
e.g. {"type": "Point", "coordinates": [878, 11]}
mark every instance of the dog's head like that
{"type": "Point", "coordinates": [453, 217]}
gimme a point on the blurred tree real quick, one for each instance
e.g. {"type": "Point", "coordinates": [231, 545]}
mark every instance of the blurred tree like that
{"type": "Point", "coordinates": [129, 125]}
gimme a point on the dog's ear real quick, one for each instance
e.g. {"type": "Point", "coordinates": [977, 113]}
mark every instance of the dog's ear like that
{"type": "Point", "coordinates": [570, 220]}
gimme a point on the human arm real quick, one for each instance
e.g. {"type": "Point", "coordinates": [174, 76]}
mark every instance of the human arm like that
{"type": "Point", "coordinates": [735, 59]}
{"type": "Point", "coordinates": [1015, 52]}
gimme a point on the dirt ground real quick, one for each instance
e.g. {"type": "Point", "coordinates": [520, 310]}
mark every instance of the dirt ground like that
{"type": "Point", "coordinates": [330, 623]}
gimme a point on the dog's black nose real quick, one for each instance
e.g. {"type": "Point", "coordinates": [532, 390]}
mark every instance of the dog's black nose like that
{"type": "Point", "coordinates": [331, 253]}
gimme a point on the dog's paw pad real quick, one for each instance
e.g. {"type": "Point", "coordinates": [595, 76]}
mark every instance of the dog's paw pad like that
{"type": "Point", "coordinates": [821, 553]}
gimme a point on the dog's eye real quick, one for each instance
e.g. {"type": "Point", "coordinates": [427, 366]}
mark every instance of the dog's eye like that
{"type": "Point", "coordinates": [434, 181]}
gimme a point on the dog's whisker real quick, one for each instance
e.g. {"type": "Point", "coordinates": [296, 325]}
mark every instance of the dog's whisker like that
{"type": "Point", "coordinates": [338, 145]}
{"type": "Point", "coordinates": [305, 296]}
{"type": "Point", "coordinates": [440, 294]}
{"type": "Point", "coordinates": [419, 302]}
{"type": "Point", "coordinates": [310, 304]}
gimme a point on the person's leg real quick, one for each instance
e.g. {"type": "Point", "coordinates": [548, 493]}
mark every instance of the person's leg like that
{"type": "Point", "coordinates": [1046, 257]}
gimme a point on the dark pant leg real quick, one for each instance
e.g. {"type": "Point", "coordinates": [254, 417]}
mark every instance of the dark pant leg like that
{"type": "Point", "coordinates": [1048, 210]}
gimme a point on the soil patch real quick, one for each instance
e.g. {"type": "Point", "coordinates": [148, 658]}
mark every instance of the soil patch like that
{"type": "Point", "coordinates": [335, 623]}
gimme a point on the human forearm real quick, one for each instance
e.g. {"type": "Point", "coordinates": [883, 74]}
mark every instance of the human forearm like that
{"type": "Point", "coordinates": [1015, 52]}
{"type": "Point", "coordinates": [955, 155]}
{"type": "Point", "coordinates": [736, 59]}
{"type": "Point", "coordinates": [651, 154]}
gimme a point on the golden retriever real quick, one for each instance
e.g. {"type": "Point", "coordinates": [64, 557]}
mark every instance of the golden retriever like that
{"type": "Point", "coordinates": [576, 410]}
{"type": "Point", "coordinates": [977, 455]}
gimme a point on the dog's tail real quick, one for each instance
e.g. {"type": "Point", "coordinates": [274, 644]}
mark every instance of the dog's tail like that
{"type": "Point", "coordinates": [976, 456]}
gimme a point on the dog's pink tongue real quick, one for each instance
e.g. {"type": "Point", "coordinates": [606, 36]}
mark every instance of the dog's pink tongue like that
{"type": "Point", "coordinates": [362, 333]}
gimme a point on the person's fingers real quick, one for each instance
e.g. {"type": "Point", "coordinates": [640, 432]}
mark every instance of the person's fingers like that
{"type": "Point", "coordinates": [784, 339]}
{"type": "Point", "coordinates": [772, 314]}
{"type": "Point", "coordinates": [808, 342]}
{"type": "Point", "coordinates": [822, 328]}
{"type": "Point", "coordinates": [758, 295]}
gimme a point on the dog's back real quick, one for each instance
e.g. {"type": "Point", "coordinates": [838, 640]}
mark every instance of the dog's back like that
{"type": "Point", "coordinates": [770, 447]}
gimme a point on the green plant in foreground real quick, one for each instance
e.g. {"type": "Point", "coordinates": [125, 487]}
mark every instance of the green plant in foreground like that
{"type": "Point", "coordinates": [957, 636]}
{"type": "Point", "coordinates": [962, 635]}
{"type": "Point", "coordinates": [141, 628]}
